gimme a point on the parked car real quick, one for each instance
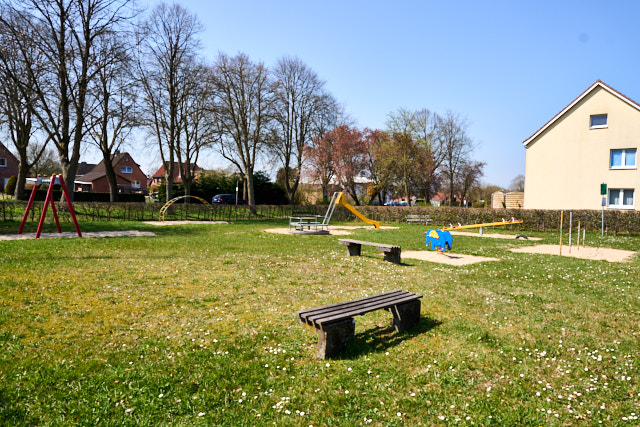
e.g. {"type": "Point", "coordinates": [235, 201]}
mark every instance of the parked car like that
{"type": "Point", "coordinates": [226, 199]}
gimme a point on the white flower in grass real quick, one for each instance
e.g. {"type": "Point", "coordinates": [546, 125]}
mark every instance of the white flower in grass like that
{"type": "Point", "coordinates": [201, 414]}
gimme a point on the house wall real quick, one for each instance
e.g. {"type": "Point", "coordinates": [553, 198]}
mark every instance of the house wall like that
{"type": "Point", "coordinates": [12, 166]}
{"type": "Point", "coordinates": [566, 164]}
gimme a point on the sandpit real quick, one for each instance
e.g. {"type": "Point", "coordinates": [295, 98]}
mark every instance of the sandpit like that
{"type": "Point", "coordinates": [492, 235]}
{"type": "Point", "coordinates": [163, 223]}
{"type": "Point", "coordinates": [587, 252]}
{"type": "Point", "coordinates": [72, 234]}
{"type": "Point", "coordinates": [334, 230]}
{"type": "Point", "coordinates": [286, 231]}
{"type": "Point", "coordinates": [446, 257]}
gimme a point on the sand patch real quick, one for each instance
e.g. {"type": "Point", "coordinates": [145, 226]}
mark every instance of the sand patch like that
{"type": "Point", "coordinates": [355, 227]}
{"type": "Point", "coordinates": [163, 223]}
{"type": "Point", "coordinates": [286, 231]}
{"type": "Point", "coordinates": [72, 234]}
{"type": "Point", "coordinates": [446, 258]}
{"type": "Point", "coordinates": [492, 235]}
{"type": "Point", "coordinates": [587, 252]}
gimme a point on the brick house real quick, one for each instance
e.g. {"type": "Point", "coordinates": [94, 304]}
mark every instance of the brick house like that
{"type": "Point", "coordinates": [129, 176]}
{"type": "Point", "coordinates": [159, 177]}
{"type": "Point", "coordinates": [9, 165]}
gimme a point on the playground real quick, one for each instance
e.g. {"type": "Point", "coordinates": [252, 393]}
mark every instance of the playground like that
{"type": "Point", "coordinates": [195, 324]}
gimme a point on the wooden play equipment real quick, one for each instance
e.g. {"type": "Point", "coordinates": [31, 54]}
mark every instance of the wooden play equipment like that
{"type": "Point", "coordinates": [318, 224]}
{"type": "Point", "coordinates": [481, 226]}
{"type": "Point", "coordinates": [166, 206]}
{"type": "Point", "coordinates": [49, 201]}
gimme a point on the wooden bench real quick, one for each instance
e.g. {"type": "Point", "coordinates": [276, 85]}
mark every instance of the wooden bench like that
{"type": "Point", "coordinates": [411, 219]}
{"type": "Point", "coordinates": [336, 326]}
{"type": "Point", "coordinates": [391, 252]}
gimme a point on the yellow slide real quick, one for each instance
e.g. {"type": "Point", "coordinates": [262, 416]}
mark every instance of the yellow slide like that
{"type": "Point", "coordinates": [344, 203]}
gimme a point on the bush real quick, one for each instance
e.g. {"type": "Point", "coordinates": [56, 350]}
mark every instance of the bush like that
{"type": "Point", "coordinates": [10, 187]}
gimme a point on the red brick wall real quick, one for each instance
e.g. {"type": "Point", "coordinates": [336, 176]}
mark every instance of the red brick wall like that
{"type": "Point", "coordinates": [10, 168]}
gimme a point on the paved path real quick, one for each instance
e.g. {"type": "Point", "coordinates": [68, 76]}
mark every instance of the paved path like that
{"type": "Point", "coordinates": [71, 234]}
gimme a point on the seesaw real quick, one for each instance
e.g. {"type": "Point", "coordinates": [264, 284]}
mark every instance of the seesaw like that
{"type": "Point", "coordinates": [440, 238]}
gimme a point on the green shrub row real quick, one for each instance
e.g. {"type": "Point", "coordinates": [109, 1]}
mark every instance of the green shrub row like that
{"type": "Point", "coordinates": [533, 220]}
{"type": "Point", "coordinates": [83, 196]}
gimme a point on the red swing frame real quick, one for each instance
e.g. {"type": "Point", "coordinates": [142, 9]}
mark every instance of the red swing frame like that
{"type": "Point", "coordinates": [49, 200]}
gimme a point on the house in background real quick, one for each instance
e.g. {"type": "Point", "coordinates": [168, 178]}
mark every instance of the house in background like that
{"type": "Point", "coordinates": [9, 166]}
{"type": "Point", "coordinates": [129, 176]}
{"type": "Point", "coordinates": [160, 175]}
{"type": "Point", "coordinates": [593, 140]}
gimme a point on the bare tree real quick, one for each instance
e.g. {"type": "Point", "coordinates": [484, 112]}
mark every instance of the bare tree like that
{"type": "Point", "coordinates": [517, 184]}
{"type": "Point", "coordinates": [456, 145]}
{"type": "Point", "coordinates": [198, 126]}
{"type": "Point", "coordinates": [65, 32]}
{"type": "Point", "coordinates": [469, 177]}
{"type": "Point", "coordinates": [243, 109]}
{"type": "Point", "coordinates": [114, 117]}
{"type": "Point", "coordinates": [299, 99]}
{"type": "Point", "coordinates": [409, 152]}
{"type": "Point", "coordinates": [43, 162]}
{"type": "Point", "coordinates": [17, 97]}
{"type": "Point", "coordinates": [168, 48]}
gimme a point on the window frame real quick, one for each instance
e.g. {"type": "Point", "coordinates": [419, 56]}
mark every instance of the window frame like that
{"type": "Point", "coordinates": [3, 162]}
{"type": "Point", "coordinates": [126, 169]}
{"type": "Point", "coordinates": [604, 126]}
{"type": "Point", "coordinates": [624, 158]}
{"type": "Point", "coordinates": [621, 198]}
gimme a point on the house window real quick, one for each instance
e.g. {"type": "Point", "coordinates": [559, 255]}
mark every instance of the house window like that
{"type": "Point", "coordinates": [135, 184]}
{"type": "Point", "coordinates": [623, 159]}
{"type": "Point", "coordinates": [598, 121]}
{"type": "Point", "coordinates": [126, 169]}
{"type": "Point", "coordinates": [3, 162]}
{"type": "Point", "coordinates": [620, 198]}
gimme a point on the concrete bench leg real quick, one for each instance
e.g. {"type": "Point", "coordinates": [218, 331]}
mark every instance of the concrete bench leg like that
{"type": "Point", "coordinates": [354, 249]}
{"type": "Point", "coordinates": [405, 315]}
{"type": "Point", "coordinates": [335, 337]}
{"type": "Point", "coordinates": [393, 256]}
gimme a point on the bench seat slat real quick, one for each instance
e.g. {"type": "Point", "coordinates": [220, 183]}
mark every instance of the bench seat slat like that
{"type": "Point", "coordinates": [336, 312]}
{"type": "Point", "coordinates": [334, 317]}
{"type": "Point", "coordinates": [362, 242]}
{"type": "Point", "coordinates": [351, 303]}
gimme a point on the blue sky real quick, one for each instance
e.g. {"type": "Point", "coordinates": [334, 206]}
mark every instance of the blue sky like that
{"type": "Point", "coordinates": [507, 66]}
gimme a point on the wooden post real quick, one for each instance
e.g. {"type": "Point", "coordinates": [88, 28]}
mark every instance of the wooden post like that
{"type": "Point", "coordinates": [561, 218]}
{"type": "Point", "coordinates": [578, 235]}
{"type": "Point", "coordinates": [570, 228]}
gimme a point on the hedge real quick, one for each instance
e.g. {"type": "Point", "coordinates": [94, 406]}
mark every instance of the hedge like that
{"type": "Point", "coordinates": [534, 220]}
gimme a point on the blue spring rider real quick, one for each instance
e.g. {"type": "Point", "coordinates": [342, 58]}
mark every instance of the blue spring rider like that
{"type": "Point", "coordinates": [439, 239]}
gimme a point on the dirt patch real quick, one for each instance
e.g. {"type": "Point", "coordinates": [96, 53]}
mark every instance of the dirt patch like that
{"type": "Point", "coordinates": [286, 231]}
{"type": "Point", "coordinates": [71, 234]}
{"type": "Point", "coordinates": [163, 223]}
{"type": "Point", "coordinates": [587, 252]}
{"type": "Point", "coordinates": [355, 227]}
{"type": "Point", "coordinates": [492, 235]}
{"type": "Point", "coordinates": [446, 257]}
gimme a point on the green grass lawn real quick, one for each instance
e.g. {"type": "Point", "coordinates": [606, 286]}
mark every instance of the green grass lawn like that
{"type": "Point", "coordinates": [196, 327]}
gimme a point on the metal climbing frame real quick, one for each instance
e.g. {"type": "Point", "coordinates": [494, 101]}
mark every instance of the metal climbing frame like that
{"type": "Point", "coordinates": [311, 224]}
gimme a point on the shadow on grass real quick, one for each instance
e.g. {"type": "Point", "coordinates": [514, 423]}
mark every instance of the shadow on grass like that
{"type": "Point", "coordinates": [381, 338]}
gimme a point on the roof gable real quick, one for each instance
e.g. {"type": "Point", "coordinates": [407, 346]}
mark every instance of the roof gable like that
{"type": "Point", "coordinates": [99, 170]}
{"type": "Point", "coordinates": [597, 84]}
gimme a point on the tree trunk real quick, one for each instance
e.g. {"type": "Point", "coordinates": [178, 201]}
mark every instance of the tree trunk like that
{"type": "Point", "coordinates": [20, 183]}
{"type": "Point", "coordinates": [111, 177]}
